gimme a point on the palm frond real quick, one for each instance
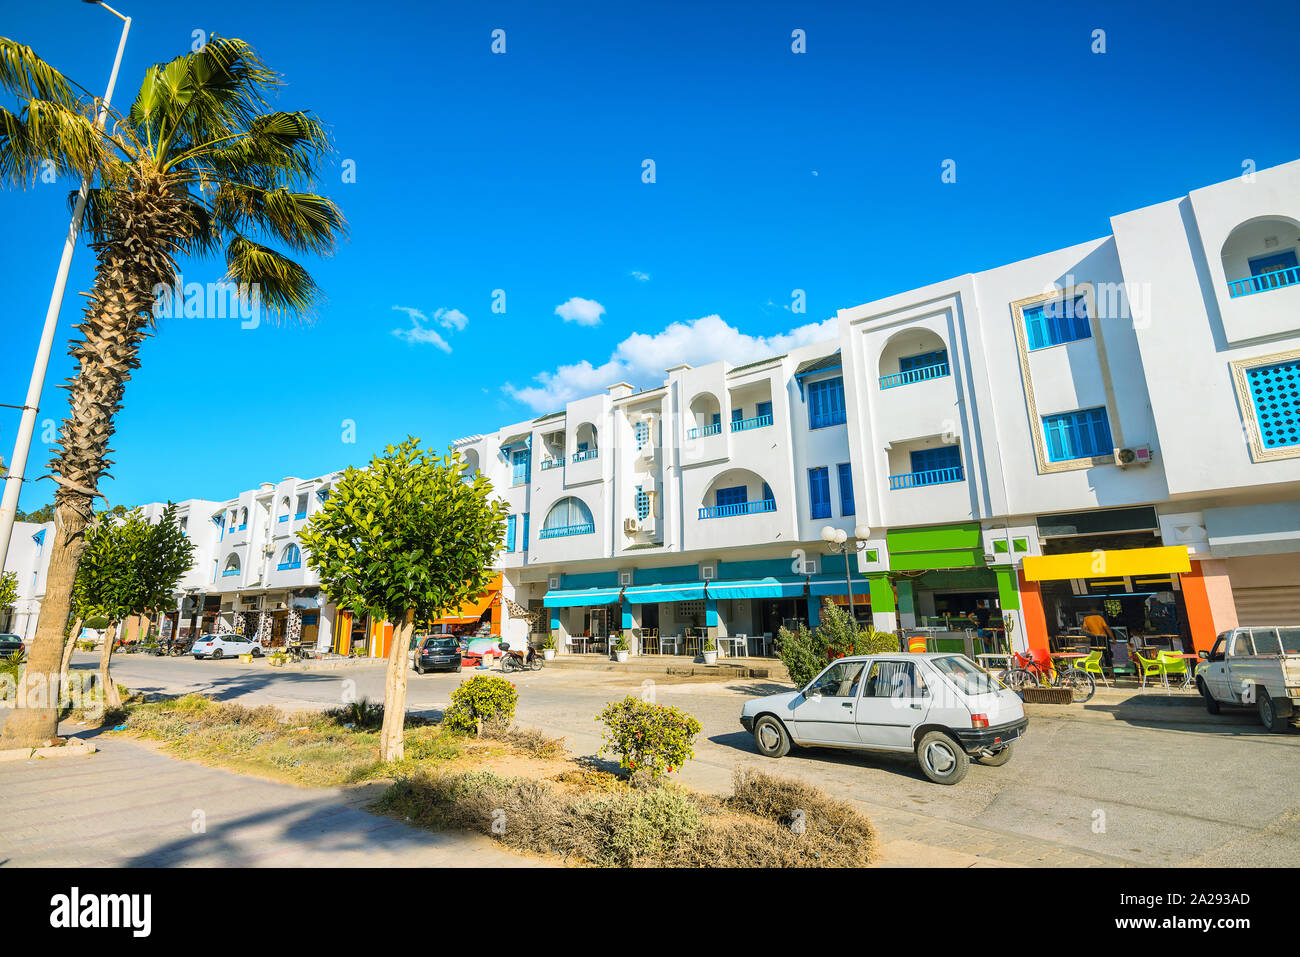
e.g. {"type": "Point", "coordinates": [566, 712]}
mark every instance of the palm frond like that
{"type": "Point", "coordinates": [303, 221]}
{"type": "Point", "coordinates": [281, 284]}
{"type": "Point", "coordinates": [46, 130]}
{"type": "Point", "coordinates": [25, 74]}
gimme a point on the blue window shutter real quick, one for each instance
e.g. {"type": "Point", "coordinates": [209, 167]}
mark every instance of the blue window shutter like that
{"type": "Point", "coordinates": [1077, 435]}
{"type": "Point", "coordinates": [922, 361]}
{"type": "Point", "coordinates": [825, 403]}
{"type": "Point", "coordinates": [764, 408]}
{"type": "Point", "coordinates": [1053, 323]}
{"type": "Point", "coordinates": [510, 533]}
{"type": "Point", "coordinates": [737, 495]}
{"type": "Point", "coordinates": [717, 418]}
{"type": "Point", "coordinates": [846, 488]}
{"type": "Point", "coordinates": [525, 545]}
{"type": "Point", "coordinates": [819, 493]}
{"type": "Point", "coordinates": [767, 493]}
{"type": "Point", "coordinates": [737, 415]}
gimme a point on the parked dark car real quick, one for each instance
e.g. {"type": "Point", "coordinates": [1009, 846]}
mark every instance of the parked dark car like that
{"type": "Point", "coordinates": [11, 644]}
{"type": "Point", "coordinates": [438, 653]}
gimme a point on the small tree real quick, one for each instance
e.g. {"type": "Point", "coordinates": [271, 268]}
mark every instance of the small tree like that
{"type": "Point", "coordinates": [806, 652]}
{"type": "Point", "coordinates": [8, 590]}
{"type": "Point", "coordinates": [129, 566]}
{"type": "Point", "coordinates": [404, 539]}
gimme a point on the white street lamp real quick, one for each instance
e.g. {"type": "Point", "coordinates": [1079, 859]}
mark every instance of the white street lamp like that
{"type": "Point", "coordinates": [837, 539]}
{"type": "Point", "coordinates": [27, 425]}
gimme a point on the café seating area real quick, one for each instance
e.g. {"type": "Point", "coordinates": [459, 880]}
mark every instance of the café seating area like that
{"type": "Point", "coordinates": [687, 641]}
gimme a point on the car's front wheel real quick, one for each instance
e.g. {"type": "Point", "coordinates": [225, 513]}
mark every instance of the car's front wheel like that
{"type": "Point", "coordinates": [942, 759]}
{"type": "Point", "coordinates": [216, 654]}
{"type": "Point", "coordinates": [771, 738]}
{"type": "Point", "coordinates": [418, 669]}
{"type": "Point", "coordinates": [257, 652]}
{"type": "Point", "coordinates": [1211, 705]}
{"type": "Point", "coordinates": [997, 758]}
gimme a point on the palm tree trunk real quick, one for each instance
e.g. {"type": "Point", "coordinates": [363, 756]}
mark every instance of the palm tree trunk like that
{"type": "Point", "coordinates": [111, 698]}
{"type": "Point", "coordinates": [390, 736]}
{"type": "Point", "coordinates": [130, 264]}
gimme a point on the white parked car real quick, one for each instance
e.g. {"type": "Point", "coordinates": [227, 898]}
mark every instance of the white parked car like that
{"type": "Point", "coordinates": [944, 708]}
{"type": "Point", "coordinates": [1256, 667]}
{"type": "Point", "coordinates": [224, 646]}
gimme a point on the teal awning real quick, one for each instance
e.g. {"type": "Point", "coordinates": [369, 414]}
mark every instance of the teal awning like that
{"type": "Point", "coordinates": [680, 591]}
{"type": "Point", "coordinates": [837, 586]}
{"type": "Point", "coordinates": [580, 596]}
{"type": "Point", "coordinates": [789, 587]}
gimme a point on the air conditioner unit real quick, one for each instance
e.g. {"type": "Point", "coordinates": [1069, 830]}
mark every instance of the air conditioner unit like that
{"type": "Point", "coordinates": [708, 572]}
{"type": "Point", "coordinates": [631, 526]}
{"type": "Point", "coordinates": [1137, 455]}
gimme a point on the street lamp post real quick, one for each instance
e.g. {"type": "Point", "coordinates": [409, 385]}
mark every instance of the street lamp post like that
{"type": "Point", "coordinates": [27, 424]}
{"type": "Point", "coordinates": [837, 539]}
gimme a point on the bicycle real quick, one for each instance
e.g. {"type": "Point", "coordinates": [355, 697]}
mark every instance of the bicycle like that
{"type": "Point", "coordinates": [1024, 672]}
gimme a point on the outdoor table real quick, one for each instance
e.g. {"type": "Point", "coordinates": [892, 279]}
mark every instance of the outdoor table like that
{"type": "Point", "coordinates": [1187, 682]}
{"type": "Point", "coordinates": [987, 660]}
{"type": "Point", "coordinates": [581, 643]}
{"type": "Point", "coordinates": [666, 640]}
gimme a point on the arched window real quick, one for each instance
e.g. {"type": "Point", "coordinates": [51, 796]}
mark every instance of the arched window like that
{"type": "Point", "coordinates": [568, 516]}
{"type": "Point", "coordinates": [290, 557]}
{"type": "Point", "coordinates": [243, 518]}
{"type": "Point", "coordinates": [232, 566]}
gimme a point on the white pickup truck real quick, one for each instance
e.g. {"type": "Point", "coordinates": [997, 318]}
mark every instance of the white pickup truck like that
{"type": "Point", "coordinates": [1256, 667]}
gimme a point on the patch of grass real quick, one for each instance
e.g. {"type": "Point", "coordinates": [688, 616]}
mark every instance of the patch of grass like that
{"type": "Point", "coordinates": [592, 817]}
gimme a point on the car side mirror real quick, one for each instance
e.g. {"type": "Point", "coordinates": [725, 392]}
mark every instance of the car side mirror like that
{"type": "Point", "coordinates": [812, 693]}
{"type": "Point", "coordinates": [1203, 655]}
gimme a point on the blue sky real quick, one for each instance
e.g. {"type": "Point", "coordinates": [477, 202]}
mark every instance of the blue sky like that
{"type": "Point", "coordinates": [522, 172]}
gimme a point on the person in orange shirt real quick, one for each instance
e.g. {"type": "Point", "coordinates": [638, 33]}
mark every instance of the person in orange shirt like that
{"type": "Point", "coordinates": [1098, 632]}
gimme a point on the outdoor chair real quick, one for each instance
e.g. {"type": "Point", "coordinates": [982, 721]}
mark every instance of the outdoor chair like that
{"type": "Point", "coordinates": [1173, 665]}
{"type": "Point", "coordinates": [1120, 664]}
{"type": "Point", "coordinates": [1148, 668]}
{"type": "Point", "coordinates": [1092, 665]}
{"type": "Point", "coordinates": [649, 642]}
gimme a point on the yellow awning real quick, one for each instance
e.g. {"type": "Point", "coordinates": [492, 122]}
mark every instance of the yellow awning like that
{"type": "Point", "coordinates": [1108, 562]}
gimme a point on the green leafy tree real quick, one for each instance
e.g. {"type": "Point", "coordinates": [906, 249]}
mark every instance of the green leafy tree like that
{"type": "Point", "coordinates": [199, 164]}
{"type": "Point", "coordinates": [129, 567]}
{"type": "Point", "coordinates": [8, 589]}
{"type": "Point", "coordinates": [40, 516]}
{"type": "Point", "coordinates": [403, 539]}
{"type": "Point", "coordinates": [806, 652]}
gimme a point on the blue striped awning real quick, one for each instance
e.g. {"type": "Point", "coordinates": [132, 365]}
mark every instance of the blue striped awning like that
{"type": "Point", "coordinates": [580, 596]}
{"type": "Point", "coordinates": [789, 587]}
{"type": "Point", "coordinates": [679, 591]}
{"type": "Point", "coordinates": [825, 585]}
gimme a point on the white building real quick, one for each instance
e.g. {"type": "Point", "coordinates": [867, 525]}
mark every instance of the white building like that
{"type": "Point", "coordinates": [29, 561]}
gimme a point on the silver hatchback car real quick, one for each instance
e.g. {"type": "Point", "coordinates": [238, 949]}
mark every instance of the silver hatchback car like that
{"type": "Point", "coordinates": [943, 707]}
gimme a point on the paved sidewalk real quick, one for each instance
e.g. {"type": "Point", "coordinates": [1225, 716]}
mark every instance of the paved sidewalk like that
{"type": "Point", "coordinates": [131, 806]}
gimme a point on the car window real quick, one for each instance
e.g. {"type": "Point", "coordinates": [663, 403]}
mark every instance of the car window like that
{"type": "Point", "coordinates": [1290, 640]}
{"type": "Point", "coordinates": [839, 681]}
{"type": "Point", "coordinates": [969, 677]}
{"type": "Point", "coordinates": [1242, 645]}
{"type": "Point", "coordinates": [1265, 640]}
{"type": "Point", "coordinates": [894, 679]}
{"type": "Point", "coordinates": [441, 644]}
{"type": "Point", "coordinates": [1216, 653]}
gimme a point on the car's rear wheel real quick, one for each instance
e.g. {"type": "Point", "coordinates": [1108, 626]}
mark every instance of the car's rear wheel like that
{"type": "Point", "coordinates": [216, 654]}
{"type": "Point", "coordinates": [997, 758]}
{"type": "Point", "coordinates": [771, 738]}
{"type": "Point", "coordinates": [1211, 705]}
{"type": "Point", "coordinates": [1268, 713]}
{"type": "Point", "coordinates": [942, 759]}
{"type": "Point", "coordinates": [418, 670]}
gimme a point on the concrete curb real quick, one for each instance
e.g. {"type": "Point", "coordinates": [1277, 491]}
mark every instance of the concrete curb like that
{"type": "Point", "coordinates": [687, 669]}
{"type": "Point", "coordinates": [74, 749]}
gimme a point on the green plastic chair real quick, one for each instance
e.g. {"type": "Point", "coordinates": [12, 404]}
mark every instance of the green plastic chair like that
{"type": "Point", "coordinates": [1173, 665]}
{"type": "Point", "coordinates": [1092, 665]}
{"type": "Point", "coordinates": [1148, 667]}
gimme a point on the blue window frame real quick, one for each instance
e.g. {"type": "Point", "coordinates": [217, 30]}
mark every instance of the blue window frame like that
{"type": "Point", "coordinates": [737, 415]}
{"type": "Point", "coordinates": [846, 488]}
{"type": "Point", "coordinates": [568, 516]}
{"type": "Point", "coordinates": [764, 409]}
{"type": "Point", "coordinates": [510, 533]}
{"type": "Point", "coordinates": [1060, 320]}
{"type": "Point", "coordinates": [826, 403]}
{"type": "Point", "coordinates": [1272, 263]}
{"type": "Point", "coordinates": [929, 460]}
{"type": "Point", "coordinates": [290, 558]}
{"type": "Point", "coordinates": [642, 435]}
{"type": "Point", "coordinates": [1275, 392]}
{"type": "Point", "coordinates": [736, 495]}
{"type": "Point", "coordinates": [642, 502]}
{"type": "Point", "coordinates": [524, 546]}
{"type": "Point", "coordinates": [1077, 435]}
{"type": "Point", "coordinates": [819, 492]}
{"type": "Point", "coordinates": [923, 360]}
{"type": "Point", "coordinates": [522, 460]}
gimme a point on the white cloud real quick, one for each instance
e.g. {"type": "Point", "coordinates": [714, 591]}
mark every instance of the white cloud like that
{"type": "Point", "coordinates": [451, 319]}
{"type": "Point", "coordinates": [585, 312]}
{"type": "Point", "coordinates": [420, 334]}
{"type": "Point", "coordinates": [641, 359]}
{"type": "Point", "coordinates": [640, 276]}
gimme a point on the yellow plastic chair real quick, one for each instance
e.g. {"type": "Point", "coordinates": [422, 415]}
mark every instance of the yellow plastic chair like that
{"type": "Point", "coordinates": [1148, 668]}
{"type": "Point", "coordinates": [1092, 665]}
{"type": "Point", "coordinates": [1173, 665]}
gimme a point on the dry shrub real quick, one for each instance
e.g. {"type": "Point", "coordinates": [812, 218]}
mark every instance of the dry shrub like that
{"type": "Point", "coordinates": [529, 741]}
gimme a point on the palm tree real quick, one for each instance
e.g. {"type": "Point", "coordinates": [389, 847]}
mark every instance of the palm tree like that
{"type": "Point", "coordinates": [200, 163]}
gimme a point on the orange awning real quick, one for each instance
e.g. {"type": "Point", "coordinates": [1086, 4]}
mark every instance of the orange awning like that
{"type": "Point", "coordinates": [472, 611]}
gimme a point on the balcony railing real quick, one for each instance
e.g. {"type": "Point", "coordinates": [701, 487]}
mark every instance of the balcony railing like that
{"type": "Point", "coordinates": [552, 463]}
{"type": "Point", "coordinates": [229, 572]}
{"type": "Point", "coordinates": [564, 531]}
{"type": "Point", "coordinates": [703, 430]}
{"type": "Point", "coordinates": [298, 516]}
{"type": "Point", "coordinates": [936, 371]}
{"type": "Point", "coordinates": [288, 566]}
{"type": "Point", "coordinates": [1263, 282]}
{"type": "Point", "coordinates": [585, 454]}
{"type": "Point", "coordinates": [740, 508]}
{"type": "Point", "coordinates": [929, 477]}
{"type": "Point", "coordinates": [754, 422]}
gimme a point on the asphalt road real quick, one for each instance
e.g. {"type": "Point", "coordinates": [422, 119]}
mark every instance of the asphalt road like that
{"type": "Point", "coordinates": [1149, 780]}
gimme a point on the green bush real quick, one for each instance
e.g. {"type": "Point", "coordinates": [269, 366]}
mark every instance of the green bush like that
{"type": "Point", "coordinates": [12, 665]}
{"type": "Point", "coordinates": [652, 737]}
{"type": "Point", "coordinates": [805, 653]}
{"type": "Point", "coordinates": [481, 699]}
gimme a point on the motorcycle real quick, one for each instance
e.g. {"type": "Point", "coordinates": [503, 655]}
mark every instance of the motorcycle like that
{"type": "Point", "coordinates": [512, 660]}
